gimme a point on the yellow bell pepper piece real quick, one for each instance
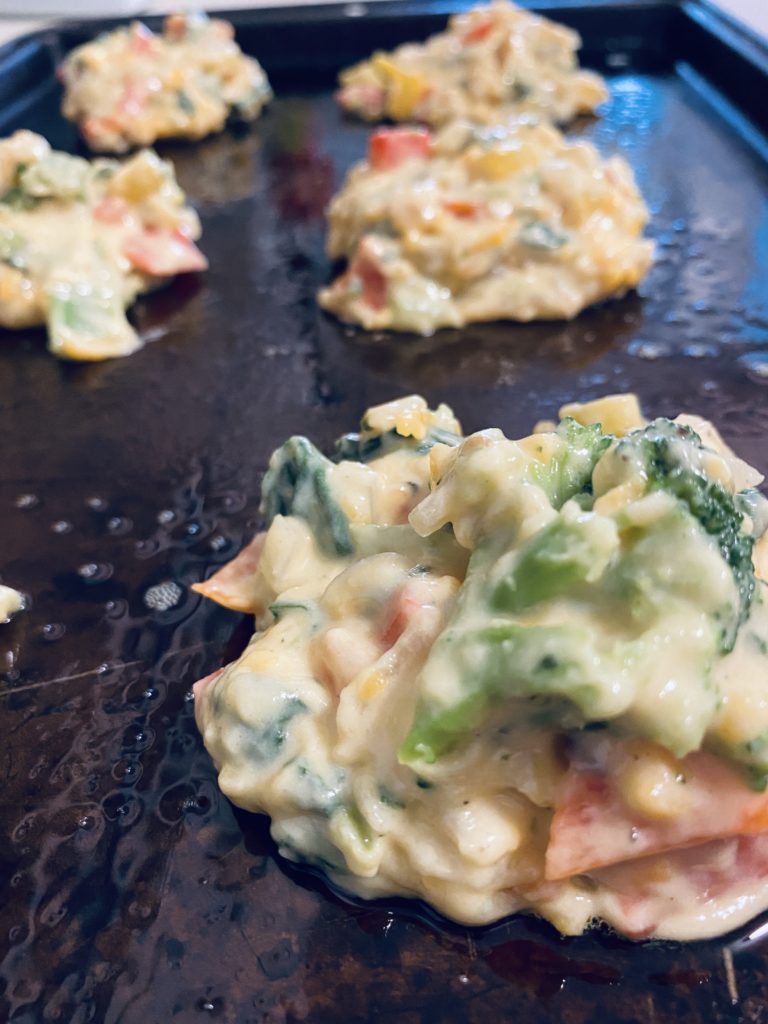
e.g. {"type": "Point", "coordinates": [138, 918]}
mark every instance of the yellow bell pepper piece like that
{"type": "Point", "coordinates": [404, 89]}
{"type": "Point", "coordinates": [497, 164]}
{"type": "Point", "coordinates": [371, 686]}
{"type": "Point", "coordinates": [139, 177]}
{"type": "Point", "coordinates": [492, 239]}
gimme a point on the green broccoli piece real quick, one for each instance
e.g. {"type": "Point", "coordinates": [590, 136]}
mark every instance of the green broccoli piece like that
{"type": "Point", "coordinates": [557, 559]}
{"type": "Point", "coordinates": [92, 317]}
{"type": "Point", "coordinates": [55, 176]}
{"type": "Point", "coordinates": [569, 471]}
{"type": "Point", "coordinates": [12, 248]}
{"type": "Point", "coordinates": [296, 484]}
{"type": "Point", "coordinates": [364, 447]}
{"type": "Point", "coordinates": [670, 456]}
{"type": "Point", "coordinates": [506, 661]}
{"type": "Point", "coordinates": [537, 234]}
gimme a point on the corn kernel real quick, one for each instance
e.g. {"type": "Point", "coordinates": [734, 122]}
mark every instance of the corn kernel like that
{"type": "Point", "coordinates": [652, 782]}
{"type": "Point", "coordinates": [371, 686]}
{"type": "Point", "coordinates": [10, 284]}
{"type": "Point", "coordinates": [261, 661]}
{"type": "Point", "coordinates": [139, 177]}
{"type": "Point", "coordinates": [615, 413]}
{"type": "Point", "coordinates": [545, 427]}
{"type": "Point", "coordinates": [497, 164]}
{"type": "Point", "coordinates": [404, 89]}
{"type": "Point", "coordinates": [491, 240]}
{"type": "Point", "coordinates": [177, 78]}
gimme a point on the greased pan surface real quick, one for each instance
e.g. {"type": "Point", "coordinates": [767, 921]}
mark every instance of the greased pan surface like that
{"type": "Point", "coordinates": [131, 891]}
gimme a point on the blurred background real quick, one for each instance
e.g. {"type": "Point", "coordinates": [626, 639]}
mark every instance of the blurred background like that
{"type": "Point", "coordinates": [753, 12]}
{"type": "Point", "coordinates": [16, 15]}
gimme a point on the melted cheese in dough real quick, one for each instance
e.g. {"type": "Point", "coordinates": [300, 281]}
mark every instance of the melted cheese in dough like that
{"type": "Point", "coordinates": [132, 87]}
{"type": "Point", "coordinates": [393, 739]}
{"type": "Point", "coordinates": [79, 241]}
{"type": "Point", "coordinates": [473, 225]}
{"type": "Point", "coordinates": [493, 62]}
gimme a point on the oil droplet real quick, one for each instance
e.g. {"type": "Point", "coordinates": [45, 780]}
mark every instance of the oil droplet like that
{"type": "Point", "coordinates": [217, 542]}
{"type": "Point", "coordinates": [116, 609]}
{"type": "Point", "coordinates": [209, 1005]}
{"type": "Point", "coordinates": [192, 529]}
{"type": "Point", "coordinates": [755, 364]}
{"type": "Point", "coordinates": [166, 516]}
{"type": "Point", "coordinates": [52, 631]}
{"type": "Point", "coordinates": [119, 525]}
{"type": "Point", "coordinates": [163, 596]}
{"type": "Point", "coordinates": [95, 572]}
{"type": "Point", "coordinates": [62, 526]}
{"type": "Point", "coordinates": [233, 501]}
{"type": "Point", "coordinates": [127, 772]}
{"type": "Point", "coordinates": [153, 334]}
{"type": "Point", "coordinates": [27, 501]}
{"type": "Point", "coordinates": [700, 350]}
{"type": "Point", "coordinates": [87, 822]}
{"type": "Point", "coordinates": [97, 504]}
{"type": "Point", "coordinates": [146, 548]}
{"type": "Point", "coordinates": [648, 350]}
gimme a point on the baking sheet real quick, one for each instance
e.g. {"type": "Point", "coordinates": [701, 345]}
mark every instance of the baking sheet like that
{"type": "Point", "coordinates": [133, 892]}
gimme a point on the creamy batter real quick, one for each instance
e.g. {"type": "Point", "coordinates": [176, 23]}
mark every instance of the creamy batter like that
{"type": "Point", "coordinates": [10, 602]}
{"type": "Point", "coordinates": [131, 87]}
{"type": "Point", "coordinates": [472, 224]}
{"type": "Point", "coordinates": [493, 62]}
{"type": "Point", "coordinates": [509, 675]}
{"type": "Point", "coordinates": [80, 240]}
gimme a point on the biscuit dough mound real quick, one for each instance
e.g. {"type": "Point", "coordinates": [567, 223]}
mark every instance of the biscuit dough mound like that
{"type": "Point", "coordinates": [80, 240]}
{"type": "Point", "coordinates": [132, 87]}
{"type": "Point", "coordinates": [492, 62]}
{"type": "Point", "coordinates": [475, 224]}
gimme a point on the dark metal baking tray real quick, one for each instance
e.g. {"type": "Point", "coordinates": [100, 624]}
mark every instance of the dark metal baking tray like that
{"type": "Point", "coordinates": [131, 891]}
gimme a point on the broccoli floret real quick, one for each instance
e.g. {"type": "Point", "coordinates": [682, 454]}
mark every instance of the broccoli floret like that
{"type": "Point", "coordinates": [296, 484]}
{"type": "Point", "coordinates": [671, 457]}
{"type": "Point", "coordinates": [569, 472]}
{"type": "Point", "coordinates": [364, 447]}
{"type": "Point", "coordinates": [356, 448]}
